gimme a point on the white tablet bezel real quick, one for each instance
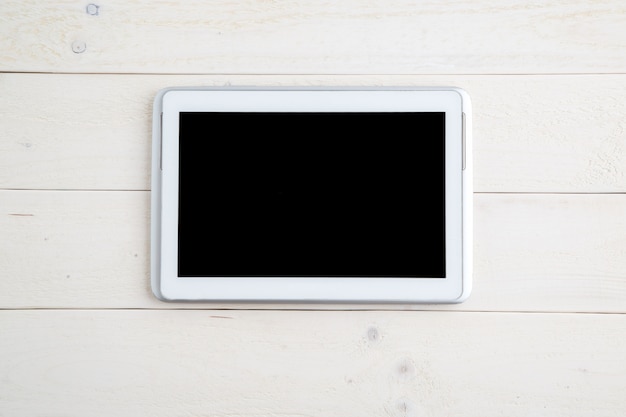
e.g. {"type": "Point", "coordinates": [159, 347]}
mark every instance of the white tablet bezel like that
{"type": "Point", "coordinates": [455, 287]}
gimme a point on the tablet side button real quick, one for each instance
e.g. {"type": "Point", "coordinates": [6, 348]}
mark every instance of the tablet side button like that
{"type": "Point", "coordinates": [463, 127]}
{"type": "Point", "coordinates": [161, 143]}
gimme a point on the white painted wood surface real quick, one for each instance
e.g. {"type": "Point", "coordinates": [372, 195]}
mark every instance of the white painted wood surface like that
{"type": "Point", "coordinates": [532, 133]}
{"type": "Point", "coordinates": [88, 249]}
{"type": "Point", "coordinates": [269, 363]}
{"type": "Point", "coordinates": [81, 334]}
{"type": "Point", "coordinates": [314, 37]}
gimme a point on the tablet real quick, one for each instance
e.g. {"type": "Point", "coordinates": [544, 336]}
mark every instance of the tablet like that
{"type": "Point", "coordinates": [340, 195]}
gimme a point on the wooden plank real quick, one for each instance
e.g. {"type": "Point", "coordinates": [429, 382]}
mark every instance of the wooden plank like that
{"type": "Point", "coordinates": [532, 253]}
{"type": "Point", "coordinates": [550, 252]}
{"type": "Point", "coordinates": [182, 363]}
{"type": "Point", "coordinates": [531, 133]}
{"type": "Point", "coordinates": [348, 37]}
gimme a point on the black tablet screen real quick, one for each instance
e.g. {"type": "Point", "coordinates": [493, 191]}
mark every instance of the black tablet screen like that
{"type": "Point", "coordinates": [312, 194]}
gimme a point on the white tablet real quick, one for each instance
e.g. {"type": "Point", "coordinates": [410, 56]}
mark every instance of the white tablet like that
{"type": "Point", "coordinates": [312, 195]}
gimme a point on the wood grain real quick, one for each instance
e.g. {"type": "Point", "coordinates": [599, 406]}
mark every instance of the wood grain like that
{"type": "Point", "coordinates": [253, 363]}
{"type": "Point", "coordinates": [548, 84]}
{"type": "Point", "coordinates": [531, 133]}
{"type": "Point", "coordinates": [532, 253]}
{"type": "Point", "coordinates": [282, 37]}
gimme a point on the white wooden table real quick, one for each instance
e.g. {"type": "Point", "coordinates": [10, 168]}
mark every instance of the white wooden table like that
{"type": "Point", "coordinates": [543, 333]}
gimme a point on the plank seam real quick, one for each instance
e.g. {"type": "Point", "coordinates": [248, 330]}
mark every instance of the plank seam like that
{"type": "Point", "coordinates": [222, 309]}
{"type": "Point", "coordinates": [475, 192]}
{"type": "Point", "coordinates": [304, 74]}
